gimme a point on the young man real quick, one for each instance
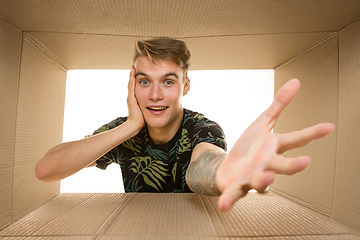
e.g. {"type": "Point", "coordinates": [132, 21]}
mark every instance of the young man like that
{"type": "Point", "coordinates": [162, 147]}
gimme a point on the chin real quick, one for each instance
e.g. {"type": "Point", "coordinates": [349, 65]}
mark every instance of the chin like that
{"type": "Point", "coordinates": [156, 123]}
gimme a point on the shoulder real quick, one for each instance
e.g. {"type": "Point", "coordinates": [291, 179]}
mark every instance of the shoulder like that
{"type": "Point", "coordinates": [113, 124]}
{"type": "Point", "coordinates": [201, 129]}
{"type": "Point", "coordinates": [198, 120]}
{"type": "Point", "coordinates": [192, 116]}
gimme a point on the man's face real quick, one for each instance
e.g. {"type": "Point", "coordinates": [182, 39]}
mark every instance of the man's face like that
{"type": "Point", "coordinates": [159, 90]}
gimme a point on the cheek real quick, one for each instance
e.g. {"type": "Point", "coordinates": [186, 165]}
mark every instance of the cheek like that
{"type": "Point", "coordinates": [175, 95]}
{"type": "Point", "coordinates": [139, 95]}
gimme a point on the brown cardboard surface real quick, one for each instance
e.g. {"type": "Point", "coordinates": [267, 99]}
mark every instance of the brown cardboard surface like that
{"type": "Point", "coordinates": [88, 217]}
{"type": "Point", "coordinates": [51, 238]}
{"type": "Point", "coordinates": [321, 237]}
{"type": "Point", "coordinates": [116, 52]}
{"type": "Point", "coordinates": [10, 50]}
{"type": "Point", "coordinates": [179, 18]}
{"type": "Point", "coordinates": [270, 215]}
{"type": "Point", "coordinates": [163, 215]}
{"type": "Point", "coordinates": [5, 196]}
{"type": "Point", "coordinates": [25, 186]}
{"type": "Point", "coordinates": [10, 46]}
{"type": "Point", "coordinates": [252, 34]}
{"type": "Point", "coordinates": [265, 51]}
{"type": "Point", "coordinates": [38, 126]}
{"type": "Point", "coordinates": [316, 101]}
{"type": "Point", "coordinates": [46, 213]}
{"type": "Point", "coordinates": [174, 216]}
{"type": "Point", "coordinates": [84, 51]}
{"type": "Point", "coordinates": [347, 177]}
{"type": "Point", "coordinates": [340, 237]}
{"type": "Point", "coordinates": [259, 216]}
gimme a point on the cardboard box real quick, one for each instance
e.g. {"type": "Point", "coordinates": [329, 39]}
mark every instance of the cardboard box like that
{"type": "Point", "coordinates": [174, 216]}
{"type": "Point", "coordinates": [315, 41]}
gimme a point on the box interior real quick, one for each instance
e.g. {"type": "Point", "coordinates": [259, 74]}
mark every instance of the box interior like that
{"type": "Point", "coordinates": [314, 41]}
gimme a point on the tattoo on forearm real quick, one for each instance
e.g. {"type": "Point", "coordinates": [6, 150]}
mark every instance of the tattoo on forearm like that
{"type": "Point", "coordinates": [201, 174]}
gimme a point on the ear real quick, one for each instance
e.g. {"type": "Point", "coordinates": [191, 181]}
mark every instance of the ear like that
{"type": "Point", "coordinates": [186, 87]}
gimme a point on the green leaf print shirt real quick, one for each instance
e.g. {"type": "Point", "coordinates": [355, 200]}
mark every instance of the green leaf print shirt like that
{"type": "Point", "coordinates": [147, 167]}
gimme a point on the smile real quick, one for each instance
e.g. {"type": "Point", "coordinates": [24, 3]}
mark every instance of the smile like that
{"type": "Point", "coordinates": [157, 108]}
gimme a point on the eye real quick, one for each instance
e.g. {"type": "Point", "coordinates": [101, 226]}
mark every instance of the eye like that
{"type": "Point", "coordinates": [144, 81]}
{"type": "Point", "coordinates": [168, 82]}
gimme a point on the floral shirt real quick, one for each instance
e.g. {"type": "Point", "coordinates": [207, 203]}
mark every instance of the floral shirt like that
{"type": "Point", "coordinates": [147, 167]}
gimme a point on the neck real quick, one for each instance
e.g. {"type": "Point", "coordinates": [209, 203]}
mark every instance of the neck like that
{"type": "Point", "coordinates": [165, 134]}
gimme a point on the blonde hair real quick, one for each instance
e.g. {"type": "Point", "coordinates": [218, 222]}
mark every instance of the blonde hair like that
{"type": "Point", "coordinates": [164, 48]}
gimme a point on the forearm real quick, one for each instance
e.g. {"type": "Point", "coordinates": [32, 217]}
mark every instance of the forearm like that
{"type": "Point", "coordinates": [201, 174]}
{"type": "Point", "coordinates": [67, 158]}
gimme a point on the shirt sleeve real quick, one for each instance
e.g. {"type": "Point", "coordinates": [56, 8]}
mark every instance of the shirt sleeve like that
{"type": "Point", "coordinates": [208, 131]}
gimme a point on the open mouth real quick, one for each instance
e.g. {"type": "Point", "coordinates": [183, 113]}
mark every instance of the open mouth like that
{"type": "Point", "coordinates": [157, 108]}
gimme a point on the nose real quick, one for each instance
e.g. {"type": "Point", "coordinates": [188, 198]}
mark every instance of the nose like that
{"type": "Point", "coordinates": [156, 93]}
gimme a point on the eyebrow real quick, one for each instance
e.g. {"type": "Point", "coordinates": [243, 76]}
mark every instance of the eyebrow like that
{"type": "Point", "coordinates": [141, 73]}
{"type": "Point", "coordinates": [166, 75]}
{"type": "Point", "coordinates": [171, 74]}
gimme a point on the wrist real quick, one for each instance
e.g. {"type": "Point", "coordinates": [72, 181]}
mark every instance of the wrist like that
{"type": "Point", "coordinates": [134, 127]}
{"type": "Point", "coordinates": [220, 177]}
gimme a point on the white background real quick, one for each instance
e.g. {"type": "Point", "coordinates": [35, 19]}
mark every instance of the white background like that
{"type": "Point", "coordinates": [232, 98]}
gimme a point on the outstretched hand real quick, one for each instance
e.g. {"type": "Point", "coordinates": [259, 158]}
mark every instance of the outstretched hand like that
{"type": "Point", "coordinates": [256, 157]}
{"type": "Point", "coordinates": [135, 114]}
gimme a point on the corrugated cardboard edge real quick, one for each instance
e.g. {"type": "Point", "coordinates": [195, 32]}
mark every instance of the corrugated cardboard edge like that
{"type": "Point", "coordinates": [10, 58]}
{"type": "Point", "coordinates": [40, 105]}
{"type": "Point", "coordinates": [316, 101]}
{"type": "Point", "coordinates": [42, 48]}
{"type": "Point", "coordinates": [346, 203]}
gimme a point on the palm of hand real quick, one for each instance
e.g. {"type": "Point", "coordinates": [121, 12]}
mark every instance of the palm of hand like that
{"type": "Point", "coordinates": [257, 155]}
{"type": "Point", "coordinates": [135, 113]}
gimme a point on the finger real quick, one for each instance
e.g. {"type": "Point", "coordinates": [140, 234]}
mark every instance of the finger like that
{"type": "Point", "coordinates": [230, 195]}
{"type": "Point", "coordinates": [288, 166]}
{"type": "Point", "coordinates": [262, 180]}
{"type": "Point", "coordinates": [131, 83]}
{"type": "Point", "coordinates": [303, 137]}
{"type": "Point", "coordinates": [282, 98]}
{"type": "Point", "coordinates": [132, 71]}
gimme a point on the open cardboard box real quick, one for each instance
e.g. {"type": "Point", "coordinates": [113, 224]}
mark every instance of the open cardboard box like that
{"type": "Point", "coordinates": [317, 42]}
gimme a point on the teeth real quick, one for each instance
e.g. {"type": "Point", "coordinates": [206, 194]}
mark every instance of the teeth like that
{"type": "Point", "coordinates": [157, 108]}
